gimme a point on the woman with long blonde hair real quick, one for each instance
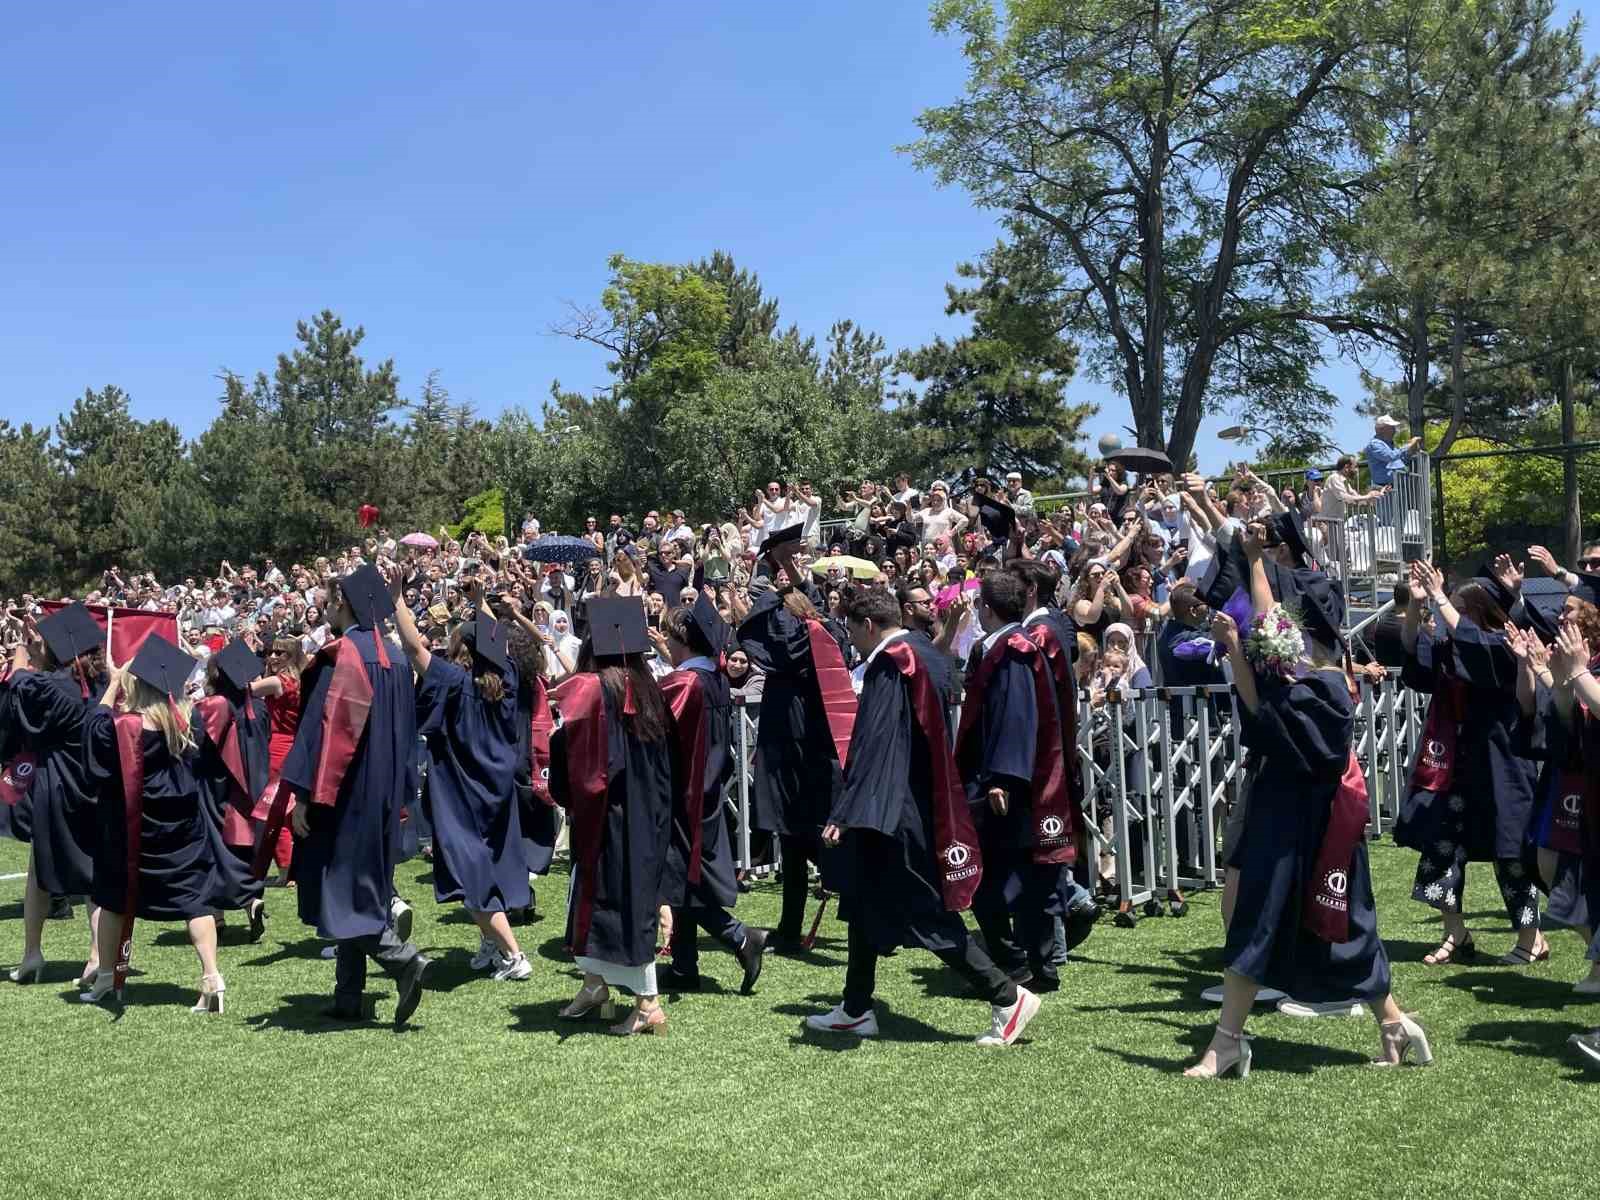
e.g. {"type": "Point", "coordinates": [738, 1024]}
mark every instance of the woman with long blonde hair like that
{"type": "Point", "coordinates": [139, 752]}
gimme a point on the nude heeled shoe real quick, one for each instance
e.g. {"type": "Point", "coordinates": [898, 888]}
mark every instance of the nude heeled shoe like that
{"type": "Point", "coordinates": [1237, 1059]}
{"type": "Point", "coordinates": [586, 1001]}
{"type": "Point", "coordinates": [212, 992]}
{"type": "Point", "coordinates": [29, 970]}
{"type": "Point", "coordinates": [1400, 1039]}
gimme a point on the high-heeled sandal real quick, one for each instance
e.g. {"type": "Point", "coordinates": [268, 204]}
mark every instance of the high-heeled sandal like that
{"type": "Point", "coordinates": [212, 992]}
{"type": "Point", "coordinates": [1517, 956]}
{"type": "Point", "coordinates": [641, 1021]}
{"type": "Point", "coordinates": [104, 985]}
{"type": "Point", "coordinates": [586, 1001]}
{"type": "Point", "coordinates": [258, 920]}
{"type": "Point", "coordinates": [1400, 1039]}
{"type": "Point", "coordinates": [1450, 951]}
{"type": "Point", "coordinates": [1237, 1060]}
{"type": "Point", "coordinates": [29, 970]}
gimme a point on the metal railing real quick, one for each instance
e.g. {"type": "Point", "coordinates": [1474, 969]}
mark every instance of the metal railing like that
{"type": "Point", "coordinates": [1159, 767]}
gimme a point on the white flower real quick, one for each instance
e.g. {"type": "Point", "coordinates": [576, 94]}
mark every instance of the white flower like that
{"type": "Point", "coordinates": [1450, 898]}
{"type": "Point", "coordinates": [1433, 891]}
{"type": "Point", "coordinates": [1527, 917]}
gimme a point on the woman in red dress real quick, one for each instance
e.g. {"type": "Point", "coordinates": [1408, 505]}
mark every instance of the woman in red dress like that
{"type": "Point", "coordinates": [280, 691]}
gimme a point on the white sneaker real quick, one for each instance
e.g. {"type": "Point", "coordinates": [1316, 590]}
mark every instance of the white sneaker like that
{"type": "Point", "coordinates": [512, 968]}
{"type": "Point", "coordinates": [1326, 1008]}
{"type": "Point", "coordinates": [1588, 1045]}
{"type": "Point", "coordinates": [1010, 1021]}
{"type": "Point", "coordinates": [1213, 995]}
{"type": "Point", "coordinates": [400, 916]}
{"type": "Point", "coordinates": [487, 956]}
{"type": "Point", "coordinates": [839, 1021]}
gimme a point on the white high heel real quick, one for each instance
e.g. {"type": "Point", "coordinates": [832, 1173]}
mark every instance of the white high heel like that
{"type": "Point", "coordinates": [104, 985]}
{"type": "Point", "coordinates": [212, 990]}
{"type": "Point", "coordinates": [1400, 1038]}
{"type": "Point", "coordinates": [28, 967]}
{"type": "Point", "coordinates": [1238, 1060]}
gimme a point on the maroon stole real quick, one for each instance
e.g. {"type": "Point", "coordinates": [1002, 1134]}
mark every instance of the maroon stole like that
{"type": "Point", "coordinates": [539, 741]}
{"type": "Point", "coordinates": [16, 776]}
{"type": "Point", "coordinates": [1044, 636]}
{"type": "Point", "coordinates": [1575, 821]}
{"type": "Point", "coordinates": [130, 757]}
{"type": "Point", "coordinates": [1436, 758]}
{"type": "Point", "coordinates": [1052, 805]}
{"type": "Point", "coordinates": [833, 681]}
{"type": "Point", "coordinates": [1325, 913]}
{"type": "Point", "coordinates": [583, 718]}
{"type": "Point", "coordinates": [955, 838]}
{"type": "Point", "coordinates": [687, 699]}
{"type": "Point", "coordinates": [344, 715]}
{"type": "Point", "coordinates": [217, 717]}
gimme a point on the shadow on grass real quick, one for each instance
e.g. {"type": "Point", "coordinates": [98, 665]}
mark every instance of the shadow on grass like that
{"type": "Point", "coordinates": [1525, 1039]}
{"type": "Point", "coordinates": [307, 1013]}
{"type": "Point", "coordinates": [304, 948]}
{"type": "Point", "coordinates": [1515, 988]}
{"type": "Point", "coordinates": [893, 1026]}
{"type": "Point", "coordinates": [546, 1018]}
{"type": "Point", "coordinates": [1271, 1054]}
{"type": "Point", "coordinates": [137, 994]}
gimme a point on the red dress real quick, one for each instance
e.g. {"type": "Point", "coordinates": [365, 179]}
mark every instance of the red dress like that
{"type": "Point", "coordinates": [283, 718]}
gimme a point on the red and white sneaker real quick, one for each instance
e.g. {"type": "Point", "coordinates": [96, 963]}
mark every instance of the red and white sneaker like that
{"type": "Point", "coordinates": [839, 1021]}
{"type": "Point", "coordinates": [1009, 1022]}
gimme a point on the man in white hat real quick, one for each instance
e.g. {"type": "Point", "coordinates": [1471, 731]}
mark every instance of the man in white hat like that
{"type": "Point", "coordinates": [1384, 458]}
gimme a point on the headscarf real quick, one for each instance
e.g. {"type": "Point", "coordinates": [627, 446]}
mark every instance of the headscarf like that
{"type": "Point", "coordinates": [1135, 662]}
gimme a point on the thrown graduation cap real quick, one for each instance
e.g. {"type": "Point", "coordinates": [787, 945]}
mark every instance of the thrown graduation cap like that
{"type": "Point", "coordinates": [781, 537]}
{"type": "Point", "coordinates": [1539, 612]}
{"type": "Point", "coordinates": [367, 594]}
{"type": "Point", "coordinates": [239, 664]}
{"type": "Point", "coordinates": [1321, 601]}
{"type": "Point", "coordinates": [71, 632]}
{"type": "Point", "coordinates": [163, 666]}
{"type": "Point", "coordinates": [1290, 526]}
{"type": "Point", "coordinates": [998, 516]}
{"type": "Point", "coordinates": [617, 626]}
{"type": "Point", "coordinates": [708, 625]}
{"type": "Point", "coordinates": [487, 637]}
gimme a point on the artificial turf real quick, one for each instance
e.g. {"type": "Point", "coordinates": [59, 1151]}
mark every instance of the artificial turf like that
{"type": "Point", "coordinates": [490, 1095]}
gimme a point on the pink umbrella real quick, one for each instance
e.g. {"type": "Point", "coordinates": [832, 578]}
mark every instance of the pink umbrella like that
{"type": "Point", "coordinates": [421, 540]}
{"type": "Point", "coordinates": [947, 596]}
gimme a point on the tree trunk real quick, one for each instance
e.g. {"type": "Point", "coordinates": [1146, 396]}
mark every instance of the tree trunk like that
{"type": "Point", "coordinates": [1420, 364]}
{"type": "Point", "coordinates": [1458, 384]}
{"type": "Point", "coordinates": [1571, 511]}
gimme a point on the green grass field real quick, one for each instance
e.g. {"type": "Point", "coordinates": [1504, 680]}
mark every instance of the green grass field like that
{"type": "Point", "coordinates": [490, 1096]}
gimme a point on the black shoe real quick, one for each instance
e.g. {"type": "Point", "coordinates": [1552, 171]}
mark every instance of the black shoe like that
{"type": "Point", "coordinates": [751, 954]}
{"type": "Point", "coordinates": [61, 908]}
{"type": "Point", "coordinates": [1039, 985]}
{"type": "Point", "coordinates": [670, 979]}
{"type": "Point", "coordinates": [344, 1012]}
{"type": "Point", "coordinates": [778, 942]}
{"type": "Point", "coordinates": [1080, 924]}
{"type": "Point", "coordinates": [258, 921]}
{"type": "Point", "coordinates": [410, 990]}
{"type": "Point", "coordinates": [1126, 918]}
{"type": "Point", "coordinates": [1177, 908]}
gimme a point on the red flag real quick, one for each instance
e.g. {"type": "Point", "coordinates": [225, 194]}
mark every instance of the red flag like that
{"type": "Point", "coordinates": [126, 628]}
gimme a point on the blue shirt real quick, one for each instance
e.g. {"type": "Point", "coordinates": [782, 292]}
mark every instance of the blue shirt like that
{"type": "Point", "coordinates": [1383, 460]}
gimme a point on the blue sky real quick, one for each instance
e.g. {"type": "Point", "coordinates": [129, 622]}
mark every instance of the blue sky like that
{"type": "Point", "coordinates": [183, 182]}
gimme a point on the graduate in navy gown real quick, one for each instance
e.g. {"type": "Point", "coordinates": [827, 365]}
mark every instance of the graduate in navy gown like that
{"type": "Point", "coordinates": [806, 711]}
{"type": "Point", "coordinates": [908, 860]}
{"type": "Point", "coordinates": [53, 794]}
{"type": "Point", "coordinates": [231, 763]}
{"type": "Point", "coordinates": [153, 858]}
{"type": "Point", "coordinates": [353, 765]}
{"type": "Point", "coordinates": [1304, 921]}
{"type": "Point", "coordinates": [537, 812]}
{"type": "Point", "coordinates": [1471, 793]}
{"type": "Point", "coordinates": [699, 882]}
{"type": "Point", "coordinates": [1014, 767]}
{"type": "Point", "coordinates": [467, 711]}
{"type": "Point", "coordinates": [611, 768]}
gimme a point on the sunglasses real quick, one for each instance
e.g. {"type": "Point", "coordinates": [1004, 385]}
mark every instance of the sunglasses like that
{"type": "Point", "coordinates": [1592, 564]}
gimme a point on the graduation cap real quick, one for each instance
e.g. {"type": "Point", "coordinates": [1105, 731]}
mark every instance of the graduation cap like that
{"type": "Point", "coordinates": [781, 537]}
{"type": "Point", "coordinates": [487, 637]}
{"type": "Point", "coordinates": [163, 666]}
{"type": "Point", "coordinates": [707, 623]}
{"type": "Point", "coordinates": [1588, 588]}
{"type": "Point", "coordinates": [1321, 601]}
{"type": "Point", "coordinates": [999, 516]}
{"type": "Point", "coordinates": [1499, 592]}
{"type": "Point", "coordinates": [617, 626]}
{"type": "Point", "coordinates": [1540, 612]}
{"type": "Point", "coordinates": [239, 664]}
{"type": "Point", "coordinates": [367, 594]}
{"type": "Point", "coordinates": [71, 632]}
{"type": "Point", "coordinates": [1290, 526]}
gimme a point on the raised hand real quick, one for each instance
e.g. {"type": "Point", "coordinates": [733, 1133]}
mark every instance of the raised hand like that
{"type": "Point", "coordinates": [1570, 653]}
{"type": "Point", "coordinates": [1225, 631]}
{"type": "Point", "coordinates": [1508, 572]}
{"type": "Point", "coordinates": [1517, 642]}
{"type": "Point", "coordinates": [1546, 560]}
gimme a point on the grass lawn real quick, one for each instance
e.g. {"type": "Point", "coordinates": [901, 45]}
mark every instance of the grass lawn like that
{"type": "Point", "coordinates": [490, 1096]}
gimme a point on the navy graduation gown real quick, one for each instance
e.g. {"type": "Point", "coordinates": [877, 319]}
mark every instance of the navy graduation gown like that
{"type": "Point", "coordinates": [471, 794]}
{"type": "Point", "coordinates": [1492, 781]}
{"type": "Point", "coordinates": [1568, 751]}
{"type": "Point", "coordinates": [712, 710]}
{"type": "Point", "coordinates": [797, 770]}
{"type": "Point", "coordinates": [175, 857]}
{"type": "Point", "coordinates": [1300, 738]}
{"type": "Point", "coordinates": [58, 815]}
{"type": "Point", "coordinates": [225, 803]}
{"type": "Point", "coordinates": [631, 836]}
{"type": "Point", "coordinates": [540, 822]}
{"type": "Point", "coordinates": [887, 870]}
{"type": "Point", "coordinates": [344, 867]}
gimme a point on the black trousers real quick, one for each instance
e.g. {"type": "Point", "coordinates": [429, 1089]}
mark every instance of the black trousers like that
{"type": "Point", "coordinates": [947, 937]}
{"type": "Point", "coordinates": [350, 967]}
{"type": "Point", "coordinates": [1021, 942]}
{"type": "Point", "coordinates": [799, 851]}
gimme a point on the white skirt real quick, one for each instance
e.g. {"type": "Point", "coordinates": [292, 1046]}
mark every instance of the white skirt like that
{"type": "Point", "coordinates": [641, 981]}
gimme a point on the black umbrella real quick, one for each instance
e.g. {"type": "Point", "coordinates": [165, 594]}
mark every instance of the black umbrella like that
{"type": "Point", "coordinates": [1146, 462]}
{"type": "Point", "coordinates": [556, 548]}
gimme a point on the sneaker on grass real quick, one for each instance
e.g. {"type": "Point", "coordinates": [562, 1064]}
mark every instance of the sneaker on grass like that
{"type": "Point", "coordinates": [839, 1021]}
{"type": "Point", "coordinates": [1008, 1021]}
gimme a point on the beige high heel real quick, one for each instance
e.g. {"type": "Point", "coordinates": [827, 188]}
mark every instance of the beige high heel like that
{"type": "Point", "coordinates": [212, 992]}
{"type": "Point", "coordinates": [586, 1001]}
{"type": "Point", "coordinates": [104, 985]}
{"type": "Point", "coordinates": [1238, 1059]}
{"type": "Point", "coordinates": [29, 970]}
{"type": "Point", "coordinates": [642, 1021]}
{"type": "Point", "coordinates": [1400, 1038]}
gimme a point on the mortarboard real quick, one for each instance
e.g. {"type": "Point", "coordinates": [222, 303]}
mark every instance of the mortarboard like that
{"type": "Point", "coordinates": [617, 626]}
{"type": "Point", "coordinates": [367, 594]}
{"type": "Point", "coordinates": [781, 537]}
{"type": "Point", "coordinates": [707, 622]}
{"type": "Point", "coordinates": [163, 666]}
{"type": "Point", "coordinates": [239, 663]}
{"type": "Point", "coordinates": [1005, 517]}
{"type": "Point", "coordinates": [487, 637]}
{"type": "Point", "coordinates": [1290, 527]}
{"type": "Point", "coordinates": [1587, 588]}
{"type": "Point", "coordinates": [1320, 599]}
{"type": "Point", "coordinates": [1499, 592]}
{"type": "Point", "coordinates": [71, 632]}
